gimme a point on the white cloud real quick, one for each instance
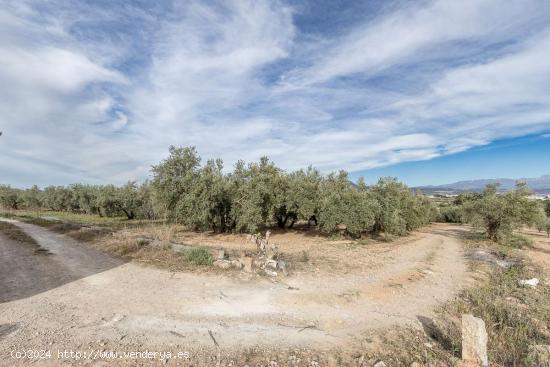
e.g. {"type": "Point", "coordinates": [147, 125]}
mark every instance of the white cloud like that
{"type": "Point", "coordinates": [87, 99]}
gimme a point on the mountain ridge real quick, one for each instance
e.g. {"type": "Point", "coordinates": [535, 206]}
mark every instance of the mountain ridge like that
{"type": "Point", "coordinates": [538, 184]}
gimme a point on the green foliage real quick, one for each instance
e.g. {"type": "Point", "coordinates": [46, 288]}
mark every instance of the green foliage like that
{"type": "Point", "coordinates": [255, 195]}
{"type": "Point", "coordinates": [546, 207]}
{"type": "Point", "coordinates": [514, 240]}
{"type": "Point", "coordinates": [450, 214]}
{"type": "Point", "coordinates": [10, 198]}
{"type": "Point", "coordinates": [342, 204]}
{"type": "Point", "coordinates": [198, 256]}
{"type": "Point", "coordinates": [500, 213]}
{"type": "Point", "coordinates": [174, 177]}
{"type": "Point", "coordinates": [400, 210]}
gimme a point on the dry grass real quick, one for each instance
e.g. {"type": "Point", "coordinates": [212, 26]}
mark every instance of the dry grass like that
{"type": "Point", "coordinates": [15, 233]}
{"type": "Point", "coordinates": [517, 318]}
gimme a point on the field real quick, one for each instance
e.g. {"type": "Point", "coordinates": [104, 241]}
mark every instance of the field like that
{"type": "Point", "coordinates": [110, 284]}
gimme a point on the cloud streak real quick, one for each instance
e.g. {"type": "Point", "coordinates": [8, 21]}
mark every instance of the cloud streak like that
{"type": "Point", "coordinates": [97, 94]}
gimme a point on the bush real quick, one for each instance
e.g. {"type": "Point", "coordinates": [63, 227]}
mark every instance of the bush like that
{"type": "Point", "coordinates": [515, 240]}
{"type": "Point", "coordinates": [199, 256]}
{"type": "Point", "coordinates": [450, 214]}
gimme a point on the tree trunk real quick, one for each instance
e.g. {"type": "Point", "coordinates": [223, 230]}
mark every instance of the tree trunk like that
{"type": "Point", "coordinates": [130, 214]}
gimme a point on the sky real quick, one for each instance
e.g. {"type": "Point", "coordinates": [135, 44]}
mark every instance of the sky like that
{"type": "Point", "coordinates": [428, 91]}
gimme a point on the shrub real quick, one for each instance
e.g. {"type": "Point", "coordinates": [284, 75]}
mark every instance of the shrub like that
{"type": "Point", "coordinates": [450, 214]}
{"type": "Point", "coordinates": [199, 256]}
{"type": "Point", "coordinates": [515, 240]}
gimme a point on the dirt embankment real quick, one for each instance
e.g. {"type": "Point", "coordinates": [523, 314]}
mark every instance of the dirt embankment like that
{"type": "Point", "coordinates": [78, 298]}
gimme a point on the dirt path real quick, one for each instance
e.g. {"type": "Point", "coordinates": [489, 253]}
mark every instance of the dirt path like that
{"type": "Point", "coordinates": [90, 300]}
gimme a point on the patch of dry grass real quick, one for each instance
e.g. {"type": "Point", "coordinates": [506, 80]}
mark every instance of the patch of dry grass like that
{"type": "Point", "coordinates": [15, 233]}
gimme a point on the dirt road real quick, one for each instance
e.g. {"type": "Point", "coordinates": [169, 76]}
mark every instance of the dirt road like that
{"type": "Point", "coordinates": [80, 299]}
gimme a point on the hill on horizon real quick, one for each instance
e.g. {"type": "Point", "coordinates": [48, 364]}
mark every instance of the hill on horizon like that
{"type": "Point", "coordinates": [540, 185]}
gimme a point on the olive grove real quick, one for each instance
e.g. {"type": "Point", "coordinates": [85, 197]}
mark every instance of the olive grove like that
{"type": "Point", "coordinates": [249, 197]}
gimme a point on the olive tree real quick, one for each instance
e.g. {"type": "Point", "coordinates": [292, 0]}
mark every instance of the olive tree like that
{"type": "Point", "coordinates": [344, 206]}
{"type": "Point", "coordinates": [10, 197]}
{"type": "Point", "coordinates": [256, 191]}
{"type": "Point", "coordinates": [174, 178]}
{"type": "Point", "coordinates": [500, 213]}
{"type": "Point", "coordinates": [390, 216]}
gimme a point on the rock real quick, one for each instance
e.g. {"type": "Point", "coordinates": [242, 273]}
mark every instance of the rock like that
{"type": "Point", "coordinates": [263, 245]}
{"type": "Point", "coordinates": [271, 264]}
{"type": "Point", "coordinates": [221, 255]}
{"type": "Point", "coordinates": [270, 272]}
{"type": "Point", "coordinates": [380, 364]}
{"type": "Point", "coordinates": [533, 282]}
{"type": "Point", "coordinates": [281, 265]}
{"type": "Point", "coordinates": [247, 263]}
{"type": "Point", "coordinates": [236, 264]}
{"type": "Point", "coordinates": [222, 264]}
{"type": "Point", "coordinates": [415, 364]}
{"type": "Point", "coordinates": [474, 340]}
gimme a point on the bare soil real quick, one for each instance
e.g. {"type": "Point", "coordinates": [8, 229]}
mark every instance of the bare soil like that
{"type": "Point", "coordinates": [82, 299]}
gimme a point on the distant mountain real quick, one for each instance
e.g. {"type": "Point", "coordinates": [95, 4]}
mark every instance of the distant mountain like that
{"type": "Point", "coordinates": [541, 185]}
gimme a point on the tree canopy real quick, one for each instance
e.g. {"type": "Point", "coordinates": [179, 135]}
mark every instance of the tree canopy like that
{"type": "Point", "coordinates": [248, 197]}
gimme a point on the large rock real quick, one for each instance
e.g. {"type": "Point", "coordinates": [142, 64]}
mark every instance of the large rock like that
{"type": "Point", "coordinates": [247, 263]}
{"type": "Point", "coordinates": [236, 264]}
{"type": "Point", "coordinates": [474, 340]}
{"type": "Point", "coordinates": [222, 264]}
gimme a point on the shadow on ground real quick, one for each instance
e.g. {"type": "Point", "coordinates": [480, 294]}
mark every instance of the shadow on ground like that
{"type": "Point", "coordinates": [26, 269]}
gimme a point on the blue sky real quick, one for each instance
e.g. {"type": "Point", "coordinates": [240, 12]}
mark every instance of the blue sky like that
{"type": "Point", "coordinates": [428, 91]}
{"type": "Point", "coordinates": [510, 158]}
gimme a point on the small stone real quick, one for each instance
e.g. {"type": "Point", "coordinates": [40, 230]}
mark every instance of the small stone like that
{"type": "Point", "coordinates": [236, 264]}
{"type": "Point", "coordinates": [270, 273]}
{"type": "Point", "coordinates": [221, 254]}
{"type": "Point", "coordinates": [474, 340]}
{"type": "Point", "coordinates": [380, 364]}
{"type": "Point", "coordinates": [271, 264]}
{"type": "Point", "coordinates": [281, 264]}
{"type": "Point", "coordinates": [533, 282]}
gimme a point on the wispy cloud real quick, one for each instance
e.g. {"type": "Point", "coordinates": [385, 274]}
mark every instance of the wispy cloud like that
{"type": "Point", "coordinates": [102, 91]}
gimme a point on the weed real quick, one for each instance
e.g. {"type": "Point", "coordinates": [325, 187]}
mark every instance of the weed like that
{"type": "Point", "coordinates": [515, 240]}
{"type": "Point", "coordinates": [198, 256]}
